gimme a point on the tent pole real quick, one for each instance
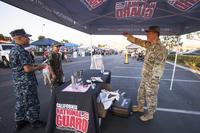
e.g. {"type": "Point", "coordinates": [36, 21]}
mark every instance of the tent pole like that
{"type": "Point", "coordinates": [91, 59]}
{"type": "Point", "coordinates": [91, 44]}
{"type": "Point", "coordinates": [43, 25]}
{"type": "Point", "coordinates": [174, 69]}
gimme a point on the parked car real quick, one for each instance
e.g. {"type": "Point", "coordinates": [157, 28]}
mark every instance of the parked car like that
{"type": "Point", "coordinates": [193, 52]}
{"type": "Point", "coordinates": [140, 57]}
{"type": "Point", "coordinates": [4, 53]}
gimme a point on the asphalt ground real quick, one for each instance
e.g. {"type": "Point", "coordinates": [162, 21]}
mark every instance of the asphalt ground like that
{"type": "Point", "coordinates": [178, 109]}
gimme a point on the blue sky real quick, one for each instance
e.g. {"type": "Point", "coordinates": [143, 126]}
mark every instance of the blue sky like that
{"type": "Point", "coordinates": [15, 18]}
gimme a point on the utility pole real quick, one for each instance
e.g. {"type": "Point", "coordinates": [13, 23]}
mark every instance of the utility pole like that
{"type": "Point", "coordinates": [43, 25]}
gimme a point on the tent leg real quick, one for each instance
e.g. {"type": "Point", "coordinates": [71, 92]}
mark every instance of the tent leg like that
{"type": "Point", "coordinates": [91, 45]}
{"type": "Point", "coordinates": [174, 69]}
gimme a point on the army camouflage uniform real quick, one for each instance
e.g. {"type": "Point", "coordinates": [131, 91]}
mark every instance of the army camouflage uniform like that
{"type": "Point", "coordinates": [27, 103]}
{"type": "Point", "coordinates": [152, 71]}
{"type": "Point", "coordinates": [55, 61]}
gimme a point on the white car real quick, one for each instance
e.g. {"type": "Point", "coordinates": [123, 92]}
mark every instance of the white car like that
{"type": "Point", "coordinates": [4, 53]}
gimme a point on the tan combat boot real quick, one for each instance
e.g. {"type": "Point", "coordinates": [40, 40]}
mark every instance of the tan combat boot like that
{"type": "Point", "coordinates": [146, 117]}
{"type": "Point", "coordinates": [138, 108]}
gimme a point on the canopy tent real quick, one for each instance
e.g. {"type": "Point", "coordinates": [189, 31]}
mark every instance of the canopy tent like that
{"type": "Point", "coordinates": [106, 17]}
{"type": "Point", "coordinates": [175, 17]}
{"type": "Point", "coordinates": [70, 45]}
{"type": "Point", "coordinates": [44, 42]}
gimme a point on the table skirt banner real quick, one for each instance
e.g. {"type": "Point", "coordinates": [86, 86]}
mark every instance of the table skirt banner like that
{"type": "Point", "coordinates": [72, 112]}
{"type": "Point", "coordinates": [70, 118]}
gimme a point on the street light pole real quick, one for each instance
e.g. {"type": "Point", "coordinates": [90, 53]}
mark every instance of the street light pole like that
{"type": "Point", "coordinates": [43, 29]}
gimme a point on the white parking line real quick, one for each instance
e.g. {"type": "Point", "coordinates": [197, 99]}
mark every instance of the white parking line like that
{"type": "Point", "coordinates": [177, 80]}
{"type": "Point", "coordinates": [134, 67]}
{"type": "Point", "coordinates": [185, 68]}
{"type": "Point", "coordinates": [129, 77]}
{"type": "Point", "coordinates": [77, 62]}
{"type": "Point", "coordinates": [183, 80]}
{"type": "Point", "coordinates": [179, 111]}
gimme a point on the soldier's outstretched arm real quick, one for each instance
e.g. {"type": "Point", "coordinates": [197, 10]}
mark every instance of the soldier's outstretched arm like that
{"type": "Point", "coordinates": [137, 41]}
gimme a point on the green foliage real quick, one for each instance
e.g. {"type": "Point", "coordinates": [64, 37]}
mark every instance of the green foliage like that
{"type": "Point", "coordinates": [187, 60]}
{"type": "Point", "coordinates": [1, 37]}
{"type": "Point", "coordinates": [172, 41]}
{"type": "Point", "coordinates": [5, 38]}
{"type": "Point", "coordinates": [64, 41]}
{"type": "Point", "coordinates": [101, 45]}
{"type": "Point", "coordinates": [194, 35]}
{"type": "Point", "coordinates": [190, 36]}
{"type": "Point", "coordinates": [198, 34]}
{"type": "Point", "coordinates": [41, 37]}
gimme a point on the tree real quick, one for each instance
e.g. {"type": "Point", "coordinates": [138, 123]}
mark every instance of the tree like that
{"type": "Point", "coordinates": [101, 45]}
{"type": "Point", "coordinates": [194, 35]}
{"type": "Point", "coordinates": [1, 37]}
{"type": "Point", "coordinates": [172, 41]}
{"type": "Point", "coordinates": [64, 41]}
{"type": "Point", "coordinates": [7, 38]}
{"type": "Point", "coordinates": [198, 34]}
{"type": "Point", "coordinates": [41, 37]}
{"type": "Point", "coordinates": [190, 36]}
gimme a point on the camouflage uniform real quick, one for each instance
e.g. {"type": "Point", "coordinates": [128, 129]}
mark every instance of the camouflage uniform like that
{"type": "Point", "coordinates": [153, 68]}
{"type": "Point", "coordinates": [55, 61]}
{"type": "Point", "coordinates": [27, 103]}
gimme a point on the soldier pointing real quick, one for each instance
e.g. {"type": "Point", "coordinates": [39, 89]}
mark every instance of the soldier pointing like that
{"type": "Point", "coordinates": [152, 71]}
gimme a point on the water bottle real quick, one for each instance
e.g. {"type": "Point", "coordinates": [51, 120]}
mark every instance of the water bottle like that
{"type": "Point", "coordinates": [102, 69]}
{"type": "Point", "coordinates": [80, 76]}
{"type": "Point", "coordinates": [93, 85]}
{"type": "Point", "coordinates": [72, 81]}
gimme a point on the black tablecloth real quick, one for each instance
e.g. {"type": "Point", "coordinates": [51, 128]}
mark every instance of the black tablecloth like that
{"type": "Point", "coordinates": [75, 111]}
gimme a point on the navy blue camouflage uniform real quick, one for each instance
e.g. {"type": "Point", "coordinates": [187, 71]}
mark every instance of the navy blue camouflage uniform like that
{"type": "Point", "coordinates": [25, 86]}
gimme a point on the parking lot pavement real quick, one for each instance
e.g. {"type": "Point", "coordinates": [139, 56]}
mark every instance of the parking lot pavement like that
{"type": "Point", "coordinates": [178, 110]}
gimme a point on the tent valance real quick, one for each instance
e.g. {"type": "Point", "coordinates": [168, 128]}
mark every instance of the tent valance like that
{"type": "Point", "coordinates": [175, 17]}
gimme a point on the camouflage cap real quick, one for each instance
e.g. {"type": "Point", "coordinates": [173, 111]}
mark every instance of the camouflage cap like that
{"type": "Point", "coordinates": [56, 44]}
{"type": "Point", "coordinates": [153, 29]}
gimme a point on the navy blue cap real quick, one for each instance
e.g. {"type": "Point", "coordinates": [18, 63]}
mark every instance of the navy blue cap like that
{"type": "Point", "coordinates": [19, 32]}
{"type": "Point", "coordinates": [56, 44]}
